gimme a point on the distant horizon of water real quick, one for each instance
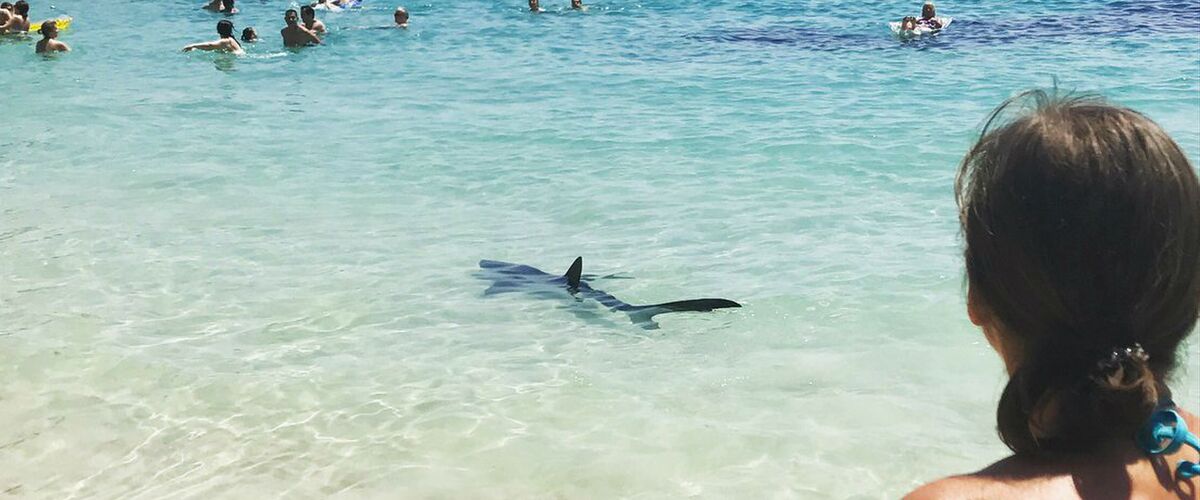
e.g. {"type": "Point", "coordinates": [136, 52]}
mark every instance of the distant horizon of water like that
{"type": "Point", "coordinates": [255, 276]}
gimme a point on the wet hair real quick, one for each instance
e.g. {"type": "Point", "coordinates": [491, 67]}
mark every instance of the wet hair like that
{"type": "Point", "coordinates": [6, 5]}
{"type": "Point", "coordinates": [1082, 229]}
{"type": "Point", "coordinates": [228, 5]}
{"type": "Point", "coordinates": [307, 10]}
{"type": "Point", "coordinates": [225, 28]}
{"type": "Point", "coordinates": [928, 6]}
{"type": "Point", "coordinates": [48, 26]}
{"type": "Point", "coordinates": [21, 8]}
{"type": "Point", "coordinates": [249, 35]}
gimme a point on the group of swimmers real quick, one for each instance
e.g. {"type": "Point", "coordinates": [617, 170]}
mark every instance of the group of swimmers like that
{"type": "Point", "coordinates": [14, 19]}
{"type": "Point", "coordinates": [301, 28]}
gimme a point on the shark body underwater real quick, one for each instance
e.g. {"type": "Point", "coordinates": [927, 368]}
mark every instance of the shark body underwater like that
{"type": "Point", "coordinates": [508, 277]}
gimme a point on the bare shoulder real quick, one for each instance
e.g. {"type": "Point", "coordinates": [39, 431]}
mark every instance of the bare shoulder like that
{"type": "Point", "coordinates": [1012, 477]}
{"type": "Point", "coordinates": [960, 487]}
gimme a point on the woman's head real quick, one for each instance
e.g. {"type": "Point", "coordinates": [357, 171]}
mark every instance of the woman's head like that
{"type": "Point", "coordinates": [225, 28]}
{"type": "Point", "coordinates": [227, 6]}
{"type": "Point", "coordinates": [928, 11]}
{"type": "Point", "coordinates": [21, 8]}
{"type": "Point", "coordinates": [1082, 228]}
{"type": "Point", "coordinates": [249, 35]}
{"type": "Point", "coordinates": [49, 29]}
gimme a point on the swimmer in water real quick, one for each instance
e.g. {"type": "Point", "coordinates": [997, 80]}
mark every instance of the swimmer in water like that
{"type": "Point", "coordinates": [577, 5]}
{"type": "Point", "coordinates": [214, 5]}
{"type": "Point", "coordinates": [5, 12]}
{"type": "Point", "coordinates": [295, 34]}
{"type": "Point", "coordinates": [249, 35]}
{"type": "Point", "coordinates": [48, 43]}
{"type": "Point", "coordinates": [309, 16]}
{"type": "Point", "coordinates": [401, 17]}
{"type": "Point", "coordinates": [533, 6]}
{"type": "Point", "coordinates": [228, 8]}
{"type": "Point", "coordinates": [928, 19]}
{"type": "Point", "coordinates": [18, 21]}
{"type": "Point", "coordinates": [227, 43]}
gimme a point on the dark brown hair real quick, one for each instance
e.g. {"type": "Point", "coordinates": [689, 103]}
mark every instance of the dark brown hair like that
{"type": "Point", "coordinates": [1082, 229]}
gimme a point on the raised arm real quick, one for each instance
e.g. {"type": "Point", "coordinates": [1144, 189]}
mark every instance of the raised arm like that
{"type": "Point", "coordinates": [221, 44]}
{"type": "Point", "coordinates": [312, 37]}
{"type": "Point", "coordinates": [14, 24]}
{"type": "Point", "coordinates": [203, 46]}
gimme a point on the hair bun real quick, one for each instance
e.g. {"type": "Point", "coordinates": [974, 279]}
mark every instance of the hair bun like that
{"type": "Point", "coordinates": [1125, 390]}
{"type": "Point", "coordinates": [1123, 369]}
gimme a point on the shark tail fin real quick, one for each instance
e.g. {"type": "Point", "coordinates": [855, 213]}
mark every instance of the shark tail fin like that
{"type": "Point", "coordinates": [574, 273]}
{"type": "Point", "coordinates": [644, 314]}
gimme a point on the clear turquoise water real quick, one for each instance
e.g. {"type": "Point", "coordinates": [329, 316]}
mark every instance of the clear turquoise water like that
{"type": "Point", "coordinates": [237, 277]}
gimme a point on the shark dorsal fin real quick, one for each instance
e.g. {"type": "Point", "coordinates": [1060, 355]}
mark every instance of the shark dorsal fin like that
{"type": "Point", "coordinates": [574, 273]}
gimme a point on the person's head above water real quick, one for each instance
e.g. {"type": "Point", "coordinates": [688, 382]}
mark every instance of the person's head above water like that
{"type": "Point", "coordinates": [307, 13]}
{"type": "Point", "coordinates": [228, 7]}
{"type": "Point", "coordinates": [400, 16]}
{"type": "Point", "coordinates": [225, 28]}
{"type": "Point", "coordinates": [6, 6]}
{"type": "Point", "coordinates": [928, 11]}
{"type": "Point", "coordinates": [533, 6]}
{"type": "Point", "coordinates": [49, 29]}
{"type": "Point", "coordinates": [577, 4]}
{"type": "Point", "coordinates": [21, 8]}
{"type": "Point", "coordinates": [291, 17]}
{"type": "Point", "coordinates": [249, 35]}
{"type": "Point", "coordinates": [1082, 230]}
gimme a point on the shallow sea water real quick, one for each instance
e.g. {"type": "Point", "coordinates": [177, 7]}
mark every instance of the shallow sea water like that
{"type": "Point", "coordinates": [253, 277]}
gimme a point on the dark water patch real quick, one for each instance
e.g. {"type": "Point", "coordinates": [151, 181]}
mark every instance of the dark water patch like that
{"type": "Point", "coordinates": [1117, 20]}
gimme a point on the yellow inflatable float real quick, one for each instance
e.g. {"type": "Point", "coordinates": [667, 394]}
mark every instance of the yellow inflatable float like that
{"type": "Point", "coordinates": [62, 23]}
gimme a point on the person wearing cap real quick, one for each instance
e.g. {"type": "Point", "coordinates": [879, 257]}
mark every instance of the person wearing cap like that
{"type": "Point", "coordinates": [401, 17]}
{"type": "Point", "coordinates": [49, 31]}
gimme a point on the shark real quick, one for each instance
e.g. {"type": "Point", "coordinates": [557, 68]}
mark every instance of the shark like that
{"type": "Point", "coordinates": [508, 277]}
